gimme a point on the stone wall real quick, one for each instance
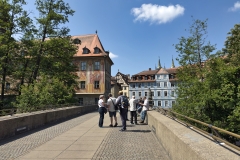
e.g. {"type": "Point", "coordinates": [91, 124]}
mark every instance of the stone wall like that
{"type": "Point", "coordinates": [183, 143]}
{"type": "Point", "coordinates": [18, 123]}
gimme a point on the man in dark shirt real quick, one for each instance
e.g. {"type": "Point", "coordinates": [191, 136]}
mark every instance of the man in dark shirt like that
{"type": "Point", "coordinates": [123, 111]}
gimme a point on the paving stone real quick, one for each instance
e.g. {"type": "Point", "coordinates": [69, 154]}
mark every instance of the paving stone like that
{"type": "Point", "coordinates": [138, 142]}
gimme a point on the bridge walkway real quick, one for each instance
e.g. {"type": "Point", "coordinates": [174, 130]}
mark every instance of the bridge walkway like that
{"type": "Point", "coordinates": [81, 138]}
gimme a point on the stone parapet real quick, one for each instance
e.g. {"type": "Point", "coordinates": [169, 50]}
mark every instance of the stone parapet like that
{"type": "Point", "coordinates": [18, 123]}
{"type": "Point", "coordinates": [183, 143]}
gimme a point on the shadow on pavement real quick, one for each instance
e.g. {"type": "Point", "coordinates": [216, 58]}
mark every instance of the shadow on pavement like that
{"type": "Point", "coordinates": [138, 131]}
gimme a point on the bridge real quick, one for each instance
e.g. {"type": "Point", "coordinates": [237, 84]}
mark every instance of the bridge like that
{"type": "Point", "coordinates": [79, 137]}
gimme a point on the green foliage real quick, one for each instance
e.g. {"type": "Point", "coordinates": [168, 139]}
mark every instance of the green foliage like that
{"type": "Point", "coordinates": [210, 92]}
{"type": "Point", "coordinates": [45, 91]}
{"type": "Point", "coordinates": [14, 20]}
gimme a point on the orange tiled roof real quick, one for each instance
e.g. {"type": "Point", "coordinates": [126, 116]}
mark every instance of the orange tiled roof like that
{"type": "Point", "coordinates": [148, 72]}
{"type": "Point", "coordinates": [89, 41]}
{"type": "Point", "coordinates": [162, 71]}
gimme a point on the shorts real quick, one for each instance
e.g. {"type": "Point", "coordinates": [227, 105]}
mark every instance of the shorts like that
{"type": "Point", "coordinates": [112, 114]}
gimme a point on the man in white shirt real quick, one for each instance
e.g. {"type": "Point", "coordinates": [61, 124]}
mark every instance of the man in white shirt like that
{"type": "Point", "coordinates": [133, 110]}
{"type": "Point", "coordinates": [111, 110]}
{"type": "Point", "coordinates": [144, 109]}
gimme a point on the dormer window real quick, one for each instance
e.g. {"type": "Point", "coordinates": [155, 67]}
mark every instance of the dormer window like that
{"type": "Point", "coordinates": [96, 50]}
{"type": "Point", "coordinates": [85, 50]}
{"type": "Point", "coordinates": [77, 41]}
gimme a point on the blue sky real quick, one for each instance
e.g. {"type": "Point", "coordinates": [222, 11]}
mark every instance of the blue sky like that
{"type": "Point", "coordinates": [138, 32]}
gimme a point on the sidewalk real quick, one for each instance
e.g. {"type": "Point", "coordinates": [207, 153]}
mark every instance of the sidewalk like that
{"type": "Point", "coordinates": [87, 141]}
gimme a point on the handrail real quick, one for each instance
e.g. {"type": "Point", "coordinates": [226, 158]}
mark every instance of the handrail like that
{"type": "Point", "coordinates": [213, 128]}
{"type": "Point", "coordinates": [15, 110]}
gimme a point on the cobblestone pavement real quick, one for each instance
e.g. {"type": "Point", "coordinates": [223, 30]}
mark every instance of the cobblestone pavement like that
{"type": "Point", "coordinates": [138, 142]}
{"type": "Point", "coordinates": [18, 145]}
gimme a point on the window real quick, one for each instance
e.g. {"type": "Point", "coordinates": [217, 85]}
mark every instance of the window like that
{"type": "Point", "coordinates": [96, 100]}
{"type": "Point", "coordinates": [133, 93]}
{"type": "Point", "coordinates": [139, 94]}
{"type": "Point", "coordinates": [82, 84]}
{"type": "Point", "coordinates": [96, 50]}
{"type": "Point", "coordinates": [152, 93]}
{"type": "Point", "coordinates": [165, 93]}
{"type": "Point", "coordinates": [7, 86]}
{"type": "Point", "coordinates": [173, 103]}
{"type": "Point", "coordinates": [139, 85]}
{"type": "Point", "coordinates": [145, 85]}
{"type": "Point", "coordinates": [145, 94]}
{"type": "Point", "coordinates": [159, 103]}
{"type": "Point", "coordinates": [96, 65]}
{"type": "Point", "coordinates": [172, 93]}
{"type": "Point", "coordinates": [96, 84]}
{"type": "Point", "coordinates": [145, 77]}
{"type": "Point", "coordinates": [165, 84]}
{"type": "Point", "coordinates": [159, 93]}
{"type": "Point", "coordinates": [166, 103]}
{"type": "Point", "coordinates": [151, 85]}
{"type": "Point", "coordinates": [152, 78]}
{"type": "Point", "coordinates": [158, 84]}
{"type": "Point", "coordinates": [133, 86]}
{"type": "Point", "coordinates": [77, 41]}
{"type": "Point", "coordinates": [83, 66]}
{"type": "Point", "coordinates": [172, 85]}
{"type": "Point", "coordinates": [80, 101]}
{"type": "Point", "coordinates": [85, 50]}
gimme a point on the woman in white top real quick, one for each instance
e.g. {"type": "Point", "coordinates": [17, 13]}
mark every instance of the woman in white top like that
{"type": "Point", "coordinates": [101, 106]}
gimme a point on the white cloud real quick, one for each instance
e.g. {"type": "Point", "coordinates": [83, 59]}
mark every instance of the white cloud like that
{"type": "Point", "coordinates": [156, 13]}
{"type": "Point", "coordinates": [111, 55]}
{"type": "Point", "coordinates": [235, 7]}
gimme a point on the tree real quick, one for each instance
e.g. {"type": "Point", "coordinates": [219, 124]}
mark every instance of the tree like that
{"type": "Point", "coordinates": [193, 53]}
{"type": "Point", "coordinates": [46, 91]}
{"type": "Point", "coordinates": [53, 13]}
{"type": "Point", "coordinates": [232, 45]}
{"type": "Point", "coordinates": [14, 20]}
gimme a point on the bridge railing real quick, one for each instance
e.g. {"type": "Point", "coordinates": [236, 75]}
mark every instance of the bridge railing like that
{"type": "Point", "coordinates": [15, 110]}
{"type": "Point", "coordinates": [215, 130]}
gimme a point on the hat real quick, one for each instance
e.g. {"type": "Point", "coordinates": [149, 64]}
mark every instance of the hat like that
{"type": "Point", "coordinates": [101, 96]}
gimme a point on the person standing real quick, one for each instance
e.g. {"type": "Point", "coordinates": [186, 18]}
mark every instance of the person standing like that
{"type": "Point", "coordinates": [111, 110]}
{"type": "Point", "coordinates": [133, 110]}
{"type": "Point", "coordinates": [145, 108]}
{"type": "Point", "coordinates": [101, 109]}
{"type": "Point", "coordinates": [123, 110]}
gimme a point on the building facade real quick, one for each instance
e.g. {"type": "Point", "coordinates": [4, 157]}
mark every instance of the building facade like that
{"type": "Point", "coordinates": [94, 69]}
{"type": "Point", "coordinates": [120, 80]}
{"type": "Point", "coordinates": [161, 83]}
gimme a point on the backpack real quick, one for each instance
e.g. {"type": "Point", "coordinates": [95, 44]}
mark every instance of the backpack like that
{"type": "Point", "coordinates": [125, 102]}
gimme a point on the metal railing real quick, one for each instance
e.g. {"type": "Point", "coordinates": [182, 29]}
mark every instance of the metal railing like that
{"type": "Point", "coordinates": [215, 130]}
{"type": "Point", "coordinates": [15, 110]}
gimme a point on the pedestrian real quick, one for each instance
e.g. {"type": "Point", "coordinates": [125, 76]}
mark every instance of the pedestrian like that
{"type": "Point", "coordinates": [133, 110]}
{"type": "Point", "coordinates": [123, 103]}
{"type": "Point", "coordinates": [145, 108]}
{"type": "Point", "coordinates": [101, 109]}
{"type": "Point", "coordinates": [111, 110]}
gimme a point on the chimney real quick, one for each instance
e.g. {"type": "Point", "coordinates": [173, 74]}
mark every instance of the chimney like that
{"type": "Point", "coordinates": [149, 69]}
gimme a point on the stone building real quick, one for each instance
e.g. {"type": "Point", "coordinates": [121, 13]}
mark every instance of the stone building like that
{"type": "Point", "coordinates": [122, 84]}
{"type": "Point", "coordinates": [94, 69]}
{"type": "Point", "coordinates": [161, 83]}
